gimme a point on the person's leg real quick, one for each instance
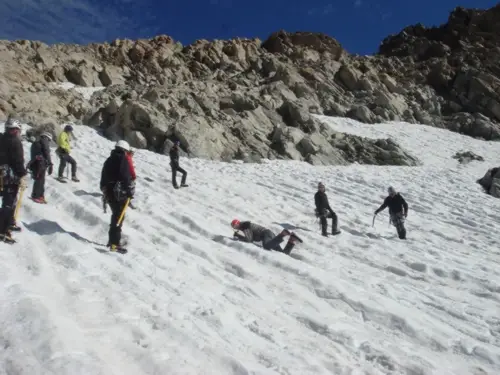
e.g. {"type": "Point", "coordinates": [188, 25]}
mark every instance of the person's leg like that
{"type": "Point", "coordinates": [174, 176]}
{"type": "Point", "coordinates": [184, 175]}
{"type": "Point", "coordinates": [272, 242]}
{"type": "Point", "coordinates": [62, 165]}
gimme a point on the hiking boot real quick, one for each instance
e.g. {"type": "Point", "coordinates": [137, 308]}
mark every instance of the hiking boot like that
{"type": "Point", "coordinates": [7, 238]}
{"type": "Point", "coordinates": [14, 228]}
{"type": "Point", "coordinates": [294, 238]}
{"type": "Point", "coordinates": [38, 200]}
{"type": "Point", "coordinates": [285, 232]}
{"type": "Point", "coordinates": [75, 179]}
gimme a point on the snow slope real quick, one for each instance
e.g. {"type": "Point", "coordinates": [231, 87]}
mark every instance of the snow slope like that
{"type": "Point", "coordinates": [189, 300]}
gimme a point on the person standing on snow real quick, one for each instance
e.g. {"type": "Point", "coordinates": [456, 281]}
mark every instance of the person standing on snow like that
{"type": "Point", "coordinates": [12, 176]}
{"type": "Point", "coordinates": [63, 151]}
{"type": "Point", "coordinates": [174, 163]}
{"type": "Point", "coordinates": [39, 164]}
{"type": "Point", "coordinates": [257, 233]}
{"type": "Point", "coordinates": [398, 211]}
{"type": "Point", "coordinates": [324, 211]}
{"type": "Point", "coordinates": [117, 186]}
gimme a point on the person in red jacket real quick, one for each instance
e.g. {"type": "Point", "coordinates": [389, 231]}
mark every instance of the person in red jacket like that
{"type": "Point", "coordinates": [129, 156]}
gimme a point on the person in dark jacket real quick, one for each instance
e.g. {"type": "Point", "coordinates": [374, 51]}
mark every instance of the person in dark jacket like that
{"type": "Point", "coordinates": [174, 163]}
{"type": "Point", "coordinates": [257, 233]}
{"type": "Point", "coordinates": [117, 185]}
{"type": "Point", "coordinates": [39, 165]}
{"type": "Point", "coordinates": [398, 210]}
{"type": "Point", "coordinates": [324, 211]}
{"type": "Point", "coordinates": [12, 173]}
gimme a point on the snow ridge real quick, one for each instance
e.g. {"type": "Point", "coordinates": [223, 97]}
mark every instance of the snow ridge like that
{"type": "Point", "coordinates": [187, 299]}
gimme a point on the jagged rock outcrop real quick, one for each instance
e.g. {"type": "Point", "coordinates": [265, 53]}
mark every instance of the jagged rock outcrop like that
{"type": "Point", "coordinates": [248, 99]}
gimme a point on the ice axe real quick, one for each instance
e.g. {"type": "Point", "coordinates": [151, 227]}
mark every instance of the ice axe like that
{"type": "Point", "coordinates": [18, 205]}
{"type": "Point", "coordinates": [120, 219]}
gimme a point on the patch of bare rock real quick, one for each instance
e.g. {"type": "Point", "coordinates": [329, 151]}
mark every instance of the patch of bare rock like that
{"type": "Point", "coordinates": [247, 99]}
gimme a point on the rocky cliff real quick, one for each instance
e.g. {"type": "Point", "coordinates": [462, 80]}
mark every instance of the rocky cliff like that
{"type": "Point", "coordinates": [248, 99]}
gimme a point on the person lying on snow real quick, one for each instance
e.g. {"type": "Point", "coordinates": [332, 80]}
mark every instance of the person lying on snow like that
{"type": "Point", "coordinates": [256, 233]}
{"type": "Point", "coordinates": [398, 210]}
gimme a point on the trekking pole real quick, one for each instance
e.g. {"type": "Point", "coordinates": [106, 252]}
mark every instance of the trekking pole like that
{"type": "Point", "coordinates": [373, 222]}
{"type": "Point", "coordinates": [18, 204]}
{"type": "Point", "coordinates": [120, 219]}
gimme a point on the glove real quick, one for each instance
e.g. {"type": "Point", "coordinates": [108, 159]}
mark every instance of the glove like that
{"type": "Point", "coordinates": [22, 183]}
{"type": "Point", "coordinates": [235, 236]}
{"type": "Point", "coordinates": [131, 191]}
{"type": "Point", "coordinates": [51, 169]}
{"type": "Point", "coordinates": [376, 212]}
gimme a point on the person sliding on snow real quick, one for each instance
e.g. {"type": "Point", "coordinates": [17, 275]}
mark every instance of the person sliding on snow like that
{"type": "Point", "coordinates": [12, 173]}
{"type": "Point", "coordinates": [256, 233]}
{"type": "Point", "coordinates": [398, 210]}
{"type": "Point", "coordinates": [174, 163]}
{"type": "Point", "coordinates": [63, 151]}
{"type": "Point", "coordinates": [117, 185]}
{"type": "Point", "coordinates": [324, 211]}
{"type": "Point", "coordinates": [39, 164]}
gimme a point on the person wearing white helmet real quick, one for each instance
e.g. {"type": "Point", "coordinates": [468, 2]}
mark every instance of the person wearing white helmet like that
{"type": "Point", "coordinates": [12, 173]}
{"type": "Point", "coordinates": [398, 210]}
{"type": "Point", "coordinates": [39, 165]}
{"type": "Point", "coordinates": [117, 185]}
{"type": "Point", "coordinates": [64, 151]}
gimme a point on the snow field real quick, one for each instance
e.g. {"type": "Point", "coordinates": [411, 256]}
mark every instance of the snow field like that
{"type": "Point", "coordinates": [187, 299]}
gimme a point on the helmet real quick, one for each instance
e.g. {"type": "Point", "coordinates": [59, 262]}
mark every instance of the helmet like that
{"type": "Point", "coordinates": [391, 190]}
{"type": "Point", "coordinates": [68, 128]}
{"type": "Point", "coordinates": [46, 135]}
{"type": "Point", "coordinates": [123, 145]}
{"type": "Point", "coordinates": [14, 124]}
{"type": "Point", "coordinates": [235, 223]}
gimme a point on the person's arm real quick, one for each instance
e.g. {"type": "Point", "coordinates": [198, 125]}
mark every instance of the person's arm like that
{"type": "Point", "coordinates": [247, 235]}
{"type": "Point", "coordinates": [17, 158]}
{"type": "Point", "coordinates": [383, 206]}
{"type": "Point", "coordinates": [405, 206]}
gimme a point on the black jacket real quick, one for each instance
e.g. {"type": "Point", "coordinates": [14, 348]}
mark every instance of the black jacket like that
{"type": "Point", "coordinates": [396, 205]}
{"type": "Point", "coordinates": [116, 170]}
{"type": "Point", "coordinates": [12, 154]}
{"type": "Point", "coordinates": [321, 201]}
{"type": "Point", "coordinates": [41, 148]}
{"type": "Point", "coordinates": [174, 156]}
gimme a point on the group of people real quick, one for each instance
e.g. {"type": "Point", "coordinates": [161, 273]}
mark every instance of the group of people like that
{"type": "Point", "coordinates": [117, 184]}
{"type": "Point", "coordinates": [251, 232]}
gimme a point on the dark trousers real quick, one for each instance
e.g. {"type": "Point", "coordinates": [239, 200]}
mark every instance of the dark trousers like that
{"type": "Point", "coordinates": [65, 158]}
{"type": "Point", "coordinates": [39, 184]}
{"type": "Point", "coordinates": [9, 200]}
{"type": "Point", "coordinates": [272, 242]}
{"type": "Point", "coordinates": [398, 220]}
{"type": "Point", "coordinates": [115, 232]}
{"type": "Point", "coordinates": [324, 224]}
{"type": "Point", "coordinates": [175, 169]}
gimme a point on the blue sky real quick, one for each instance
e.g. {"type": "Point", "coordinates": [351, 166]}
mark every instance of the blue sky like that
{"type": "Point", "coordinates": [359, 25]}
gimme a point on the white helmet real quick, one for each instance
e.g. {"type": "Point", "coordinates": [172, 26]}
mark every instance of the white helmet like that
{"type": "Point", "coordinates": [13, 124]}
{"type": "Point", "coordinates": [123, 144]}
{"type": "Point", "coordinates": [46, 135]}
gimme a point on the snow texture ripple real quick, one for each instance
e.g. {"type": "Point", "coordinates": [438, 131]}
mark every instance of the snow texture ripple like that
{"type": "Point", "coordinates": [187, 299]}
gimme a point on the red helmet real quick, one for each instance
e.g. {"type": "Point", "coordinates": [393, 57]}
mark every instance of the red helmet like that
{"type": "Point", "coordinates": [235, 223]}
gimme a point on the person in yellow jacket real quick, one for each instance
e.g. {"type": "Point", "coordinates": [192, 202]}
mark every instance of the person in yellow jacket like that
{"type": "Point", "coordinates": [63, 151]}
